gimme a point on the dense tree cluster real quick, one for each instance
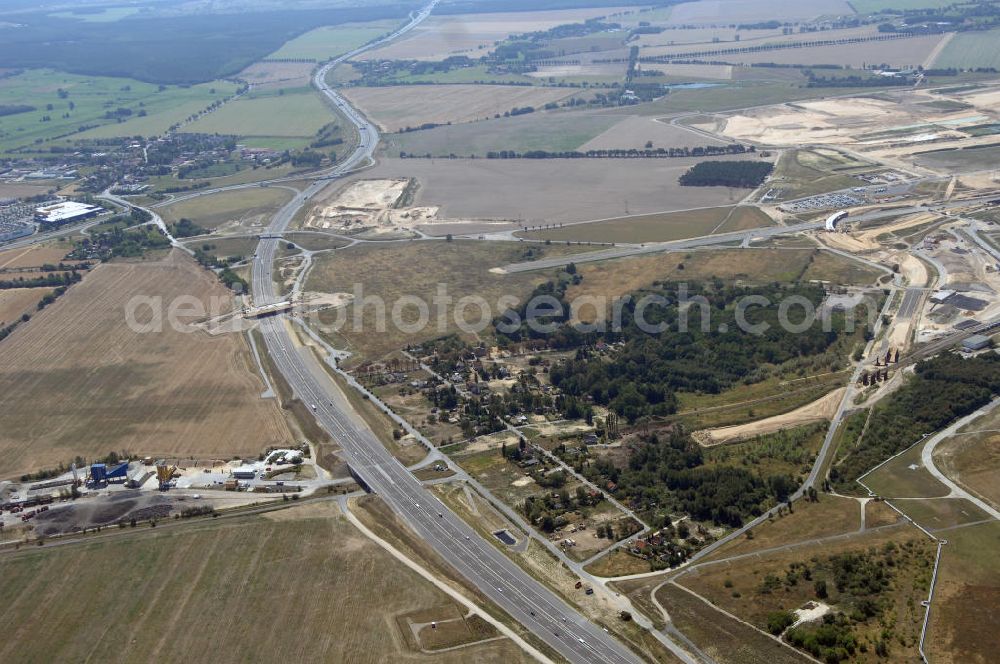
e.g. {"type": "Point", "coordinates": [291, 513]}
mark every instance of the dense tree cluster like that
{"type": "Point", "coordinates": [14, 109]}
{"type": "Point", "coordinates": [45, 281]}
{"type": "Point", "coordinates": [613, 153]}
{"type": "Point", "coordinates": [222, 267]}
{"type": "Point", "coordinates": [667, 471]}
{"type": "Point", "coordinates": [119, 242]}
{"type": "Point", "coordinates": [186, 228]}
{"type": "Point", "coordinates": [328, 135]}
{"type": "Point", "coordinates": [643, 375]}
{"type": "Point", "coordinates": [216, 44]}
{"type": "Point", "coordinates": [942, 390]}
{"type": "Point", "coordinates": [855, 81]}
{"type": "Point", "coordinates": [746, 174]}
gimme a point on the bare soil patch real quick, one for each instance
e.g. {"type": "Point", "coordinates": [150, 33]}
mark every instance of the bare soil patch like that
{"type": "Point", "coordinates": [821, 409]}
{"type": "Point", "coordinates": [19, 190]}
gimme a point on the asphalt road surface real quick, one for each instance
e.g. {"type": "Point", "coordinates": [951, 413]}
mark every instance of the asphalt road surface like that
{"type": "Point", "coordinates": [911, 298]}
{"type": "Point", "coordinates": [723, 238]}
{"type": "Point", "coordinates": [510, 587]}
{"type": "Point", "coordinates": [660, 247]}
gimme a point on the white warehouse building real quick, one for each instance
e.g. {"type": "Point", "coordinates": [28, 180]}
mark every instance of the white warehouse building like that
{"type": "Point", "coordinates": [65, 212]}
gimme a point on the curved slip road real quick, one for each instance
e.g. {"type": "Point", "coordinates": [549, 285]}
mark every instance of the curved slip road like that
{"type": "Point", "coordinates": [527, 600]}
{"type": "Point", "coordinates": [927, 459]}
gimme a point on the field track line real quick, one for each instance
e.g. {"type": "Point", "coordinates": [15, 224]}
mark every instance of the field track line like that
{"type": "Point", "coordinates": [936, 51]}
{"type": "Point", "coordinates": [442, 586]}
{"type": "Point", "coordinates": [30, 248]}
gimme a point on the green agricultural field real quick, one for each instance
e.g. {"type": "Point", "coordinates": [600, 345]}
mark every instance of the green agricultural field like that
{"type": "Point", "coordinates": [648, 15]}
{"type": "Point", "coordinates": [872, 6]}
{"type": "Point", "coordinates": [86, 100]}
{"type": "Point", "coordinates": [905, 477]}
{"type": "Point", "coordinates": [474, 74]}
{"type": "Point", "coordinates": [214, 210]}
{"type": "Point", "coordinates": [98, 14]}
{"type": "Point", "coordinates": [155, 124]}
{"type": "Point", "coordinates": [268, 117]}
{"type": "Point", "coordinates": [746, 94]}
{"type": "Point", "coordinates": [971, 49]}
{"type": "Point", "coordinates": [827, 266]}
{"type": "Point", "coordinates": [330, 41]}
{"type": "Point", "coordinates": [660, 227]}
{"type": "Point", "coordinates": [937, 513]}
{"type": "Point", "coordinates": [554, 132]}
{"type": "Point", "coordinates": [244, 175]}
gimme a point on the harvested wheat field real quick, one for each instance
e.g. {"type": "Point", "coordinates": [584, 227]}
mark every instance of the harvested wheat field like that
{"type": "Point", "coordinates": [77, 380]}
{"type": "Point", "coordinates": [306, 587]}
{"type": "Point", "coordinates": [444, 104]}
{"type": "Point", "coordinates": [17, 301]}
{"type": "Point", "coordinates": [33, 256]}
{"type": "Point", "coordinates": [821, 409]}
{"type": "Point", "coordinates": [535, 191]}
{"type": "Point", "coordinates": [268, 75]}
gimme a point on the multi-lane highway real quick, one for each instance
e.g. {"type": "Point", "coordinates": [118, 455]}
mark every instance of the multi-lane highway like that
{"type": "Point", "coordinates": [527, 600]}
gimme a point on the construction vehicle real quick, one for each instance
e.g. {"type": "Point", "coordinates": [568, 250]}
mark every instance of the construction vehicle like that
{"type": "Point", "coordinates": [164, 474]}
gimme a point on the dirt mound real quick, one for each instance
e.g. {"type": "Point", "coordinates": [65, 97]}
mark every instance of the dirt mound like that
{"type": "Point", "coordinates": [102, 511]}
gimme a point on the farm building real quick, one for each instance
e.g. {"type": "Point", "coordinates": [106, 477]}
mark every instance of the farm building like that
{"type": "Point", "coordinates": [65, 212]}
